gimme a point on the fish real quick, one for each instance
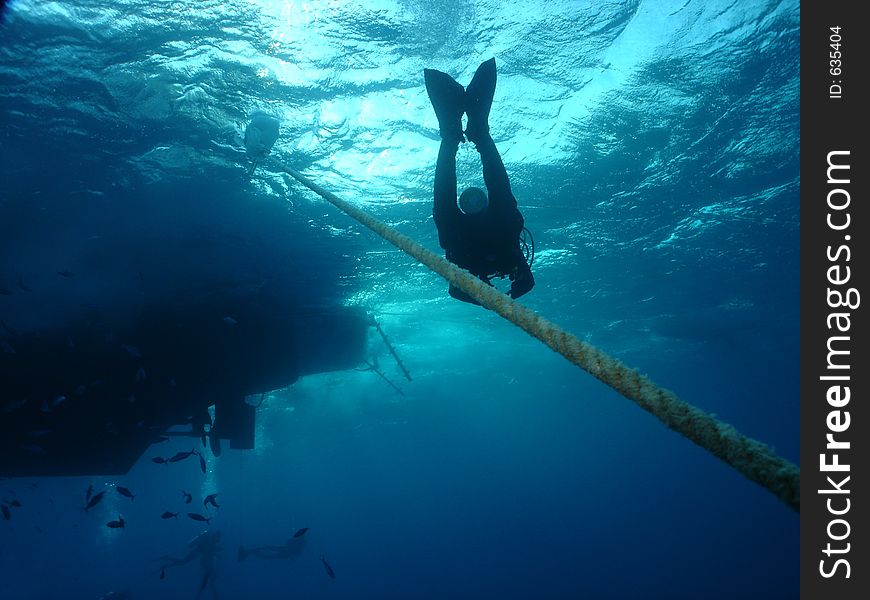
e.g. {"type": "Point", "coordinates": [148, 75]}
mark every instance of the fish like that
{"type": "Point", "coordinates": [5, 292]}
{"type": "Point", "coordinates": [34, 449]}
{"type": "Point", "coordinates": [187, 497]}
{"type": "Point", "coordinates": [8, 328]}
{"type": "Point", "coordinates": [22, 285]}
{"type": "Point", "coordinates": [210, 499]}
{"type": "Point", "coordinates": [95, 499]}
{"type": "Point", "coordinates": [15, 503]}
{"type": "Point", "coordinates": [230, 321]}
{"type": "Point", "coordinates": [204, 580]}
{"type": "Point", "coordinates": [7, 516]}
{"type": "Point", "coordinates": [162, 573]}
{"type": "Point", "coordinates": [300, 532]}
{"type": "Point", "coordinates": [199, 517]}
{"type": "Point", "coordinates": [182, 455]}
{"type": "Point", "coordinates": [55, 402]}
{"type": "Point", "coordinates": [7, 347]}
{"type": "Point", "coordinates": [125, 492]}
{"type": "Point", "coordinates": [117, 524]}
{"type": "Point", "coordinates": [133, 351]}
{"type": "Point", "coordinates": [169, 515]}
{"type": "Point", "coordinates": [65, 273]}
{"type": "Point", "coordinates": [140, 376]}
{"type": "Point", "coordinates": [159, 439]}
{"type": "Point", "coordinates": [329, 570]}
{"type": "Point", "coordinates": [201, 463]}
{"type": "Point", "coordinates": [11, 407]}
{"type": "Point", "coordinates": [159, 460]}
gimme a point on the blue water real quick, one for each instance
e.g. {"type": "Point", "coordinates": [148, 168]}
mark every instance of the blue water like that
{"type": "Point", "coordinates": [653, 148]}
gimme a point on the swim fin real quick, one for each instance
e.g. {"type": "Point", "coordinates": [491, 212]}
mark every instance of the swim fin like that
{"type": "Point", "coordinates": [478, 99]}
{"type": "Point", "coordinates": [448, 100]}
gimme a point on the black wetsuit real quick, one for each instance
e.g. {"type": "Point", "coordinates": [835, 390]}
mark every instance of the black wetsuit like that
{"type": "Point", "coordinates": [486, 244]}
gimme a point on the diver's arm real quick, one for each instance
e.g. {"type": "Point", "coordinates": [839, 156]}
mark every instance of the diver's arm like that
{"type": "Point", "coordinates": [502, 203]}
{"type": "Point", "coordinates": [522, 280]}
{"type": "Point", "coordinates": [445, 210]}
{"type": "Point", "coordinates": [506, 216]}
{"type": "Point", "coordinates": [498, 184]}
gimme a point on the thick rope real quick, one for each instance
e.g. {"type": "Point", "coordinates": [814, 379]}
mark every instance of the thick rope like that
{"type": "Point", "coordinates": [753, 459]}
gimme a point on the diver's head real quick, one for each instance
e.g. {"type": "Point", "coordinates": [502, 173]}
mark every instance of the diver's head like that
{"type": "Point", "coordinates": [206, 538]}
{"type": "Point", "coordinates": [473, 201]}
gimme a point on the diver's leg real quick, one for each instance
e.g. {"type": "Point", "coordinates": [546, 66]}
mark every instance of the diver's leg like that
{"type": "Point", "coordinates": [446, 211]}
{"type": "Point", "coordinates": [213, 584]}
{"type": "Point", "coordinates": [201, 587]}
{"type": "Point", "coordinates": [208, 575]}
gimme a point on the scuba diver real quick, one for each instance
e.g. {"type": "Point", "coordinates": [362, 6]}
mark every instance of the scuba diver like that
{"type": "Point", "coordinates": [290, 549]}
{"type": "Point", "coordinates": [205, 548]}
{"type": "Point", "coordinates": [479, 233]}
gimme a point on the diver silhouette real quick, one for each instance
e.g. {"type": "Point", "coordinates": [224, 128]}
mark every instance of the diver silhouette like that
{"type": "Point", "coordinates": [205, 548]}
{"type": "Point", "coordinates": [478, 233]}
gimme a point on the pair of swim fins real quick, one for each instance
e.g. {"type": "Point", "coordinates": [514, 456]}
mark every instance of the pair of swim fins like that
{"type": "Point", "coordinates": [450, 100]}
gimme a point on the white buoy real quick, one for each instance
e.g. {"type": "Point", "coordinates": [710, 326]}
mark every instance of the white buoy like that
{"type": "Point", "coordinates": [260, 135]}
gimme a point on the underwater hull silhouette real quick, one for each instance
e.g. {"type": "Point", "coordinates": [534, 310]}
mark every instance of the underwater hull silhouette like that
{"type": "Point", "coordinates": [84, 400]}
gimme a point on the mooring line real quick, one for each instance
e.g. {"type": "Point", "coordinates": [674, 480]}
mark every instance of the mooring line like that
{"type": "Point", "coordinates": [755, 460]}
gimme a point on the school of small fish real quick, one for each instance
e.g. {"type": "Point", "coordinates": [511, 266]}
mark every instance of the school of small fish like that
{"type": "Point", "coordinates": [92, 498]}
